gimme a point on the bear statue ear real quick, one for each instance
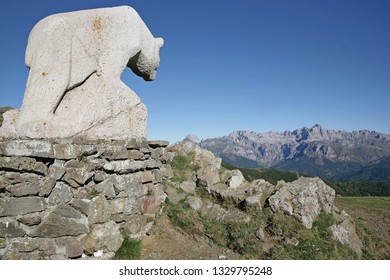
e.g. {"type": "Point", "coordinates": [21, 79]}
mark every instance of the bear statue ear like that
{"type": "Point", "coordinates": [159, 42]}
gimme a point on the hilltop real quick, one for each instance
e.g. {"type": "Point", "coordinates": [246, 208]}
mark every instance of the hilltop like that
{"type": "Point", "coordinates": [212, 212]}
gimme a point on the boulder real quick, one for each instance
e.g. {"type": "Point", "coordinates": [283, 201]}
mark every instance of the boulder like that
{"type": "Point", "coordinates": [194, 202]}
{"type": "Point", "coordinates": [188, 187]}
{"type": "Point", "coordinates": [235, 179]}
{"type": "Point", "coordinates": [304, 199]}
{"type": "Point", "coordinates": [253, 202]}
{"type": "Point", "coordinates": [208, 165]}
{"type": "Point", "coordinates": [345, 232]}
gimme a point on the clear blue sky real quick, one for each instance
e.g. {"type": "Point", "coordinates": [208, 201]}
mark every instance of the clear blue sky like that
{"type": "Point", "coordinates": [241, 65]}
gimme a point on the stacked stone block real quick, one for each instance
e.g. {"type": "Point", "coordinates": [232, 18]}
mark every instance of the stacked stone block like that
{"type": "Point", "coordinates": [74, 199]}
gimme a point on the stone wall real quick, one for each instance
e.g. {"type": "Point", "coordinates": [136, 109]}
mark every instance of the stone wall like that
{"type": "Point", "coordinates": [74, 199]}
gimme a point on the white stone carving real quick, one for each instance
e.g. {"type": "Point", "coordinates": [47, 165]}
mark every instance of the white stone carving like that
{"type": "Point", "coordinates": [76, 60]}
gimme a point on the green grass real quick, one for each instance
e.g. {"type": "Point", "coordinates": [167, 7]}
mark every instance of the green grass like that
{"type": "Point", "coordinates": [130, 250]}
{"type": "Point", "coordinates": [316, 243]}
{"type": "Point", "coordinates": [182, 166]}
{"type": "Point", "coordinates": [370, 204]}
{"type": "Point", "coordinates": [239, 237]}
{"type": "Point", "coordinates": [372, 223]}
{"type": "Point", "coordinates": [181, 216]}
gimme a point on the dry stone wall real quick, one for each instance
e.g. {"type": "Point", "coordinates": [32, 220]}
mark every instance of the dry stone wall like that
{"type": "Point", "coordinates": [73, 199]}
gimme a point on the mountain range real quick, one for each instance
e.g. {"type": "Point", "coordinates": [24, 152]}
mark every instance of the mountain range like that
{"type": "Point", "coordinates": [317, 151]}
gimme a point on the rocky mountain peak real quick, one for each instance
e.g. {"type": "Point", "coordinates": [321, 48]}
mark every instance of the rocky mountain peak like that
{"type": "Point", "coordinates": [314, 150]}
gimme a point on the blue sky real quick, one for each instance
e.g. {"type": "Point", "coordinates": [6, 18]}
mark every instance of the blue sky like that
{"type": "Point", "coordinates": [241, 65]}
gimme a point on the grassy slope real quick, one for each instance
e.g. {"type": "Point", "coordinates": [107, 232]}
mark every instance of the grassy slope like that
{"type": "Point", "coordinates": [372, 218]}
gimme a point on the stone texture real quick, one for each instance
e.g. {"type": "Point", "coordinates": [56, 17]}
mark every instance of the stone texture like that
{"type": "Point", "coordinates": [49, 206]}
{"type": "Point", "coordinates": [30, 219]}
{"type": "Point", "coordinates": [81, 205]}
{"type": "Point", "coordinates": [56, 171]}
{"type": "Point", "coordinates": [73, 246]}
{"type": "Point", "coordinates": [106, 237]}
{"type": "Point", "coordinates": [235, 179]}
{"type": "Point", "coordinates": [19, 184]}
{"type": "Point", "coordinates": [100, 176]}
{"type": "Point", "coordinates": [10, 230]}
{"type": "Point", "coordinates": [188, 187]}
{"type": "Point", "coordinates": [74, 87]}
{"type": "Point", "coordinates": [260, 234]}
{"type": "Point", "coordinates": [63, 220]}
{"type": "Point", "coordinates": [67, 151]}
{"type": "Point", "coordinates": [99, 211]}
{"type": "Point", "coordinates": [115, 153]}
{"type": "Point", "coordinates": [304, 199]}
{"type": "Point", "coordinates": [194, 202]}
{"type": "Point", "coordinates": [106, 188]}
{"type": "Point", "coordinates": [47, 186]}
{"type": "Point", "coordinates": [23, 164]}
{"type": "Point", "coordinates": [61, 193]}
{"type": "Point", "coordinates": [345, 232]}
{"type": "Point", "coordinates": [77, 176]}
{"type": "Point", "coordinates": [135, 224]}
{"type": "Point", "coordinates": [124, 166]}
{"type": "Point", "coordinates": [26, 148]}
{"type": "Point", "coordinates": [25, 245]}
{"type": "Point", "coordinates": [21, 206]}
{"type": "Point", "coordinates": [253, 202]}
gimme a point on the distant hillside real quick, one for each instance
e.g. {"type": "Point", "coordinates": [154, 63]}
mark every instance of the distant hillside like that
{"type": "Point", "coordinates": [375, 171]}
{"type": "Point", "coordinates": [2, 111]}
{"type": "Point", "coordinates": [316, 151]}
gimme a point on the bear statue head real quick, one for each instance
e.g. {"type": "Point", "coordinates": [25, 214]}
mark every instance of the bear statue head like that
{"type": "Point", "coordinates": [146, 61]}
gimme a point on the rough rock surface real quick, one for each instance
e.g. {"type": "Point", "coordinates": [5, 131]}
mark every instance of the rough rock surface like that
{"type": "Point", "coordinates": [345, 232]}
{"type": "Point", "coordinates": [74, 87]}
{"type": "Point", "coordinates": [304, 199]}
{"type": "Point", "coordinates": [58, 200]}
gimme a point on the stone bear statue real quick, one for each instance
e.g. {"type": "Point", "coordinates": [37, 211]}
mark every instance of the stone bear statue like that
{"type": "Point", "coordinates": [76, 60]}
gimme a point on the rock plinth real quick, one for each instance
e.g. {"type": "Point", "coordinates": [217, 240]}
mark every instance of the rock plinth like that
{"type": "Point", "coordinates": [60, 200]}
{"type": "Point", "coordinates": [74, 88]}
